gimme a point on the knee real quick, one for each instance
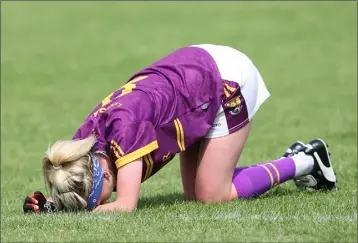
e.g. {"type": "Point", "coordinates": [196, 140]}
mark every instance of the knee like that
{"type": "Point", "coordinates": [211, 199]}
{"type": "Point", "coordinates": [206, 196]}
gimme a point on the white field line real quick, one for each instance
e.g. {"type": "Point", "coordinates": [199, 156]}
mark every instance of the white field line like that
{"type": "Point", "coordinates": [275, 217]}
{"type": "Point", "coordinates": [233, 216]}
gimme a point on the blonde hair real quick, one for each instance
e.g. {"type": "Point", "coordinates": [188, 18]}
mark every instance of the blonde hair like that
{"type": "Point", "coordinates": [68, 173]}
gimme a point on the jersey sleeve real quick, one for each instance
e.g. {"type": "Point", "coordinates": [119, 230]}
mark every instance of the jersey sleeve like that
{"type": "Point", "coordinates": [132, 142]}
{"type": "Point", "coordinates": [88, 129]}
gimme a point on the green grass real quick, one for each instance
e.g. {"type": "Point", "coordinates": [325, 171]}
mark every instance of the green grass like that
{"type": "Point", "coordinates": [59, 59]}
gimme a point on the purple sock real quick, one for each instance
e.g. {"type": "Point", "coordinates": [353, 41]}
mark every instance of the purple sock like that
{"type": "Point", "coordinates": [255, 180]}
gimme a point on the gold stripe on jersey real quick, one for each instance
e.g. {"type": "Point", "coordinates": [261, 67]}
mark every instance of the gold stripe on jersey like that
{"type": "Point", "coordinates": [115, 151]}
{"type": "Point", "coordinates": [150, 164]}
{"type": "Point", "coordinates": [122, 161]}
{"type": "Point", "coordinates": [147, 166]}
{"type": "Point", "coordinates": [147, 162]}
{"type": "Point", "coordinates": [269, 173]}
{"type": "Point", "coordinates": [180, 134]}
{"type": "Point", "coordinates": [115, 144]}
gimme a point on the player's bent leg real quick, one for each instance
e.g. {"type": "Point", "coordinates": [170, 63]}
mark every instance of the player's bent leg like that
{"type": "Point", "coordinates": [312, 160]}
{"type": "Point", "coordinates": [217, 161]}
{"type": "Point", "coordinates": [256, 180]}
{"type": "Point", "coordinates": [188, 168]}
{"type": "Point", "coordinates": [218, 180]}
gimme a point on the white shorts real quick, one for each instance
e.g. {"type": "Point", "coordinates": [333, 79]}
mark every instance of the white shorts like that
{"type": "Point", "coordinates": [235, 66]}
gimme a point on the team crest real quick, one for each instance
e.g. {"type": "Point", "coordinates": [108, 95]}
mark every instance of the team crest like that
{"type": "Point", "coordinates": [235, 105]}
{"type": "Point", "coordinates": [236, 110]}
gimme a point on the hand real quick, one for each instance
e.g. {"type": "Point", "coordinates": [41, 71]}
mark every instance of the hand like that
{"type": "Point", "coordinates": [112, 207]}
{"type": "Point", "coordinates": [37, 203]}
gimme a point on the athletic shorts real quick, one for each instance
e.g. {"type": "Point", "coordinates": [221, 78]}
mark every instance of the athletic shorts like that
{"type": "Point", "coordinates": [236, 67]}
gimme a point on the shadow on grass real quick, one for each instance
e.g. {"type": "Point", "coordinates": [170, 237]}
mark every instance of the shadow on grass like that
{"type": "Point", "coordinates": [174, 198]}
{"type": "Point", "coordinates": [159, 200]}
{"type": "Point", "coordinates": [279, 192]}
{"type": "Point", "coordinates": [283, 192]}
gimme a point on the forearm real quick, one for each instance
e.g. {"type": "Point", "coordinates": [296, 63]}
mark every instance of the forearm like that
{"type": "Point", "coordinates": [128, 187]}
{"type": "Point", "coordinates": [188, 167]}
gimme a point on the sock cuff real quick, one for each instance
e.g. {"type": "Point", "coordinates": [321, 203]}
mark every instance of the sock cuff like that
{"type": "Point", "coordinates": [302, 157]}
{"type": "Point", "coordinates": [304, 164]}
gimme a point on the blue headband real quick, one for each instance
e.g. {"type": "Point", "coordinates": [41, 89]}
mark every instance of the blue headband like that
{"type": "Point", "coordinates": [97, 183]}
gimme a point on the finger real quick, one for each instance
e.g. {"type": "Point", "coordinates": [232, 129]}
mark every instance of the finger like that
{"type": "Point", "coordinates": [28, 200]}
{"type": "Point", "coordinates": [33, 200]}
{"type": "Point", "coordinates": [32, 207]}
{"type": "Point", "coordinates": [28, 208]}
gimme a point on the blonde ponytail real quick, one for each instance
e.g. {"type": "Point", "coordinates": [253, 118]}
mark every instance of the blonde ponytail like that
{"type": "Point", "coordinates": [67, 170]}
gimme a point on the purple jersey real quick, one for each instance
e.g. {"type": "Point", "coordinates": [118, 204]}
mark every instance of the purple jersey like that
{"type": "Point", "coordinates": [160, 112]}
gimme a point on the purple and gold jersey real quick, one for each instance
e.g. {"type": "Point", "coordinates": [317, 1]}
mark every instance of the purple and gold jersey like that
{"type": "Point", "coordinates": [161, 111]}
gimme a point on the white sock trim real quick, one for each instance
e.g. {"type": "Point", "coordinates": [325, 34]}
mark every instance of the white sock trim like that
{"type": "Point", "coordinates": [304, 164]}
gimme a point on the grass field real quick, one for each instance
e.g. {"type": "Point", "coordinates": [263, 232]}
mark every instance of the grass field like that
{"type": "Point", "coordinates": [59, 59]}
